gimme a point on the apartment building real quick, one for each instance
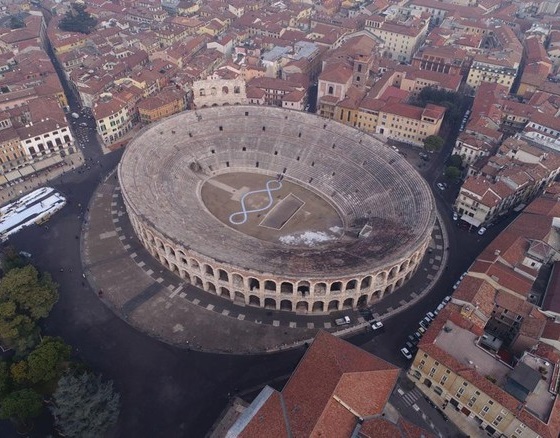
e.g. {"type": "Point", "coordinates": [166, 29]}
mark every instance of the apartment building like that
{"type": "Point", "coordinates": [164, 104]}
{"type": "Point", "coordinates": [491, 356]}
{"type": "Point", "coordinates": [500, 64]}
{"type": "Point", "coordinates": [471, 148]}
{"type": "Point", "coordinates": [401, 38]}
{"type": "Point", "coordinates": [116, 114]}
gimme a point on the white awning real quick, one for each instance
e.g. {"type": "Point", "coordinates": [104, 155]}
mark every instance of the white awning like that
{"type": "Point", "coordinates": [471, 220]}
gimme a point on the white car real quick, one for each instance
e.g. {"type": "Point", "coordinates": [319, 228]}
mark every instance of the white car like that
{"type": "Point", "coordinates": [481, 231]}
{"type": "Point", "coordinates": [440, 186]}
{"type": "Point", "coordinates": [406, 353]}
{"type": "Point", "coordinates": [376, 325]}
{"type": "Point", "coordinates": [446, 299]}
{"type": "Point", "coordinates": [75, 115]}
{"type": "Point", "coordinates": [455, 216]}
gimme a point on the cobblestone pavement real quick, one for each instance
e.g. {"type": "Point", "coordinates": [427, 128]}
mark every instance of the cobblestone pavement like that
{"type": "Point", "coordinates": [157, 302]}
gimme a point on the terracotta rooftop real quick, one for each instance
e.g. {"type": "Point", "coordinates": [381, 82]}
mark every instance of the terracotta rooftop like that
{"type": "Point", "coordinates": [339, 375]}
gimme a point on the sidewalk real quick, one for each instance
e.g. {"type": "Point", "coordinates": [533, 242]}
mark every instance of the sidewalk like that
{"type": "Point", "coordinates": [41, 178]}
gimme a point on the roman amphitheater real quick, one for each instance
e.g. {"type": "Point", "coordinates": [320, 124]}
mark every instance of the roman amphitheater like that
{"type": "Point", "coordinates": [276, 208]}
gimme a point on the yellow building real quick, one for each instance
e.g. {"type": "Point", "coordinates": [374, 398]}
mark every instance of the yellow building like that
{"type": "Point", "coordinates": [12, 154]}
{"type": "Point", "coordinates": [163, 104]}
{"type": "Point", "coordinates": [457, 369]}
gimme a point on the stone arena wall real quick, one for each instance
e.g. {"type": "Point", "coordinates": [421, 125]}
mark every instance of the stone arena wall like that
{"type": "Point", "coordinates": [165, 166]}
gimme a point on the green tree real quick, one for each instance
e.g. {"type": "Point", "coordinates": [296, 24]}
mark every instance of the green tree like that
{"type": "Point", "coordinates": [11, 259]}
{"type": "Point", "coordinates": [455, 103]}
{"type": "Point", "coordinates": [16, 22]}
{"type": "Point", "coordinates": [455, 160]}
{"type": "Point", "coordinates": [19, 371]}
{"type": "Point", "coordinates": [433, 143]}
{"type": "Point", "coordinates": [84, 406]}
{"type": "Point", "coordinates": [5, 381]}
{"type": "Point", "coordinates": [452, 172]}
{"type": "Point", "coordinates": [21, 406]}
{"type": "Point", "coordinates": [77, 19]}
{"type": "Point", "coordinates": [33, 295]}
{"type": "Point", "coordinates": [17, 331]}
{"type": "Point", "coordinates": [45, 362]}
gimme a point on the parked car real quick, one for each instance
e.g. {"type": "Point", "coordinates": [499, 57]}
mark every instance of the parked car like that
{"type": "Point", "coordinates": [413, 339]}
{"type": "Point", "coordinates": [440, 307]}
{"type": "Point", "coordinates": [422, 330]}
{"type": "Point", "coordinates": [425, 323]}
{"type": "Point", "coordinates": [75, 115]}
{"type": "Point", "coordinates": [376, 325]}
{"type": "Point", "coordinates": [447, 299]}
{"type": "Point", "coordinates": [481, 231]}
{"type": "Point", "coordinates": [440, 186]}
{"type": "Point", "coordinates": [430, 315]}
{"type": "Point", "coordinates": [406, 353]}
{"type": "Point", "coordinates": [342, 321]}
{"type": "Point", "coordinates": [455, 216]}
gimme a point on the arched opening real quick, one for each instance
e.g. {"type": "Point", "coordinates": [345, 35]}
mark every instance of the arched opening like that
{"type": "Point", "coordinates": [400, 282]}
{"type": "Point", "coordinates": [286, 288]}
{"type": "Point", "coordinates": [348, 303]}
{"type": "Point", "coordinates": [237, 280]}
{"type": "Point", "coordinates": [269, 303]}
{"type": "Point", "coordinates": [202, 92]}
{"type": "Point", "coordinates": [428, 383]}
{"type": "Point", "coordinates": [254, 301]}
{"type": "Point", "coordinates": [318, 306]}
{"type": "Point", "coordinates": [376, 295]}
{"type": "Point", "coordinates": [302, 306]}
{"type": "Point", "coordinates": [239, 298]}
{"type": "Point", "coordinates": [225, 90]}
{"type": "Point", "coordinates": [197, 282]}
{"type": "Point", "coordinates": [336, 287]}
{"type": "Point", "coordinates": [303, 288]}
{"type": "Point", "coordinates": [362, 301]}
{"type": "Point", "coordinates": [286, 305]}
{"type": "Point", "coordinates": [224, 292]}
{"type": "Point", "coordinates": [254, 284]}
{"type": "Point", "coordinates": [173, 268]}
{"type": "Point", "coordinates": [223, 275]}
{"type": "Point", "coordinates": [366, 282]}
{"type": "Point", "coordinates": [393, 272]}
{"type": "Point", "coordinates": [320, 289]}
{"type": "Point", "coordinates": [194, 264]}
{"type": "Point", "coordinates": [208, 269]}
{"type": "Point", "coordinates": [210, 287]}
{"type": "Point", "coordinates": [403, 266]}
{"type": "Point", "coordinates": [213, 91]}
{"type": "Point", "coordinates": [351, 285]}
{"type": "Point", "coordinates": [185, 276]}
{"type": "Point", "coordinates": [381, 277]}
{"type": "Point", "coordinates": [388, 289]}
{"type": "Point", "coordinates": [270, 286]}
{"type": "Point", "coordinates": [333, 305]}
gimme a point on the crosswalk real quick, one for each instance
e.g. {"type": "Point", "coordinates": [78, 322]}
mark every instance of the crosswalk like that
{"type": "Point", "coordinates": [410, 397]}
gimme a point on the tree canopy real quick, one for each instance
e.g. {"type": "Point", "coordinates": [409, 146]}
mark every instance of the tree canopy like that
{"type": "Point", "coordinates": [21, 406]}
{"type": "Point", "coordinates": [455, 103]}
{"type": "Point", "coordinates": [85, 406]}
{"type": "Point", "coordinates": [17, 331]}
{"type": "Point", "coordinates": [455, 160]}
{"type": "Point", "coordinates": [44, 363]}
{"type": "Point", "coordinates": [33, 295]}
{"type": "Point", "coordinates": [11, 259]}
{"type": "Point", "coordinates": [77, 19]}
{"type": "Point", "coordinates": [452, 172]}
{"type": "Point", "coordinates": [433, 143]}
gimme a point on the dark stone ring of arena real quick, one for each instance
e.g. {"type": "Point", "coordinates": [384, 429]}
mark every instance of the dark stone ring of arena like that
{"type": "Point", "coordinates": [276, 208]}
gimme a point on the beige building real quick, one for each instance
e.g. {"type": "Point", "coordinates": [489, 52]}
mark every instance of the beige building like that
{"type": "Point", "coordinates": [217, 92]}
{"type": "Point", "coordinates": [454, 368]}
{"type": "Point", "coordinates": [401, 39]}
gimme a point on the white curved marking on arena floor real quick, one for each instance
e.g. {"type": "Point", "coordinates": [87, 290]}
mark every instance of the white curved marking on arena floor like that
{"type": "Point", "coordinates": [244, 213]}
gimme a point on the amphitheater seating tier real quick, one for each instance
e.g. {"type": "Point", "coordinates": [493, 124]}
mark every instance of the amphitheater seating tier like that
{"type": "Point", "coordinates": [161, 173]}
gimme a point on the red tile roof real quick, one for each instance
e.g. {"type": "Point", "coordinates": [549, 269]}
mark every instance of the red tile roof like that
{"type": "Point", "coordinates": [333, 373]}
